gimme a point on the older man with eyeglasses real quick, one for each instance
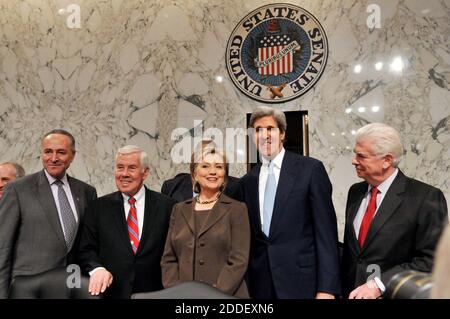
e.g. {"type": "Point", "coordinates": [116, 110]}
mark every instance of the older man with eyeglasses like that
{"type": "Point", "coordinates": [393, 222]}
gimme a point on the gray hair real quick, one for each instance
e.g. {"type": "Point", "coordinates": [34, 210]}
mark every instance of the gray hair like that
{"type": "Point", "coordinates": [62, 132]}
{"type": "Point", "coordinates": [386, 140]}
{"type": "Point", "coordinates": [263, 111]}
{"type": "Point", "coordinates": [20, 172]}
{"type": "Point", "coordinates": [130, 149]}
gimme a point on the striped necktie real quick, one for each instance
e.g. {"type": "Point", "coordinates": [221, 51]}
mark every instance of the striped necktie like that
{"type": "Point", "coordinates": [133, 225]}
{"type": "Point", "coordinates": [68, 219]}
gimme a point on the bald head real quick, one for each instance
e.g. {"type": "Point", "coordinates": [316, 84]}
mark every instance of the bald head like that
{"type": "Point", "coordinates": [9, 172]}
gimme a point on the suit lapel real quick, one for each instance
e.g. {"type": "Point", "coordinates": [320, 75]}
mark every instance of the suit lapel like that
{"type": "Point", "coordinates": [391, 201]}
{"type": "Point", "coordinates": [285, 184]}
{"type": "Point", "coordinates": [218, 211]}
{"type": "Point", "coordinates": [352, 211]}
{"type": "Point", "coordinates": [121, 223]}
{"type": "Point", "coordinates": [77, 194]}
{"type": "Point", "coordinates": [187, 211]}
{"type": "Point", "coordinates": [150, 211]}
{"type": "Point", "coordinates": [47, 201]}
{"type": "Point", "coordinates": [253, 199]}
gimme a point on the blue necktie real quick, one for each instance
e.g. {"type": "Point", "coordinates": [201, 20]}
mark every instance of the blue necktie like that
{"type": "Point", "coordinates": [269, 199]}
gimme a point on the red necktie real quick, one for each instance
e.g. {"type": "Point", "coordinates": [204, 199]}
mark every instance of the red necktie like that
{"type": "Point", "coordinates": [133, 226]}
{"type": "Point", "coordinates": [368, 216]}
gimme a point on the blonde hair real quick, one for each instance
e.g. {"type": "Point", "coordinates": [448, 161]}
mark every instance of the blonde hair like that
{"type": "Point", "coordinates": [206, 147]}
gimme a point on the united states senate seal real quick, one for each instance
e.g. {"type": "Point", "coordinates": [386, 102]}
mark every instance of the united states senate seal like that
{"type": "Point", "coordinates": [277, 53]}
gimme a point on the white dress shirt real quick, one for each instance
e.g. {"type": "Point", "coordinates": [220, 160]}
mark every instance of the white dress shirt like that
{"type": "Point", "coordinates": [382, 190]}
{"type": "Point", "coordinates": [66, 188]}
{"type": "Point", "coordinates": [264, 172]}
{"type": "Point", "coordinates": [140, 207]}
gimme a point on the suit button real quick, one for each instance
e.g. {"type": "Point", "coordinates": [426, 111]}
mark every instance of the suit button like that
{"type": "Point", "coordinates": [202, 244]}
{"type": "Point", "coordinates": [201, 261]}
{"type": "Point", "coordinates": [360, 260]}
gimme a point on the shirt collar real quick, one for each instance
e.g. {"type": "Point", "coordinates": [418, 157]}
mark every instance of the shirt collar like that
{"type": "Point", "coordinates": [136, 196]}
{"type": "Point", "coordinates": [384, 186]}
{"type": "Point", "coordinates": [277, 161]}
{"type": "Point", "coordinates": [51, 179]}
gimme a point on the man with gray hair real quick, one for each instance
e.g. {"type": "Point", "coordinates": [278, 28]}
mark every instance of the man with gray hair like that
{"type": "Point", "coordinates": [124, 232]}
{"type": "Point", "coordinates": [40, 214]}
{"type": "Point", "coordinates": [393, 222]}
{"type": "Point", "coordinates": [294, 249]}
{"type": "Point", "coordinates": [9, 171]}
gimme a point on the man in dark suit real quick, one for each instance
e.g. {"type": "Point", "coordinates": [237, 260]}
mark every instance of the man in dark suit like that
{"type": "Point", "coordinates": [294, 247]}
{"type": "Point", "coordinates": [393, 222]}
{"type": "Point", "coordinates": [40, 214]}
{"type": "Point", "coordinates": [180, 187]}
{"type": "Point", "coordinates": [124, 232]}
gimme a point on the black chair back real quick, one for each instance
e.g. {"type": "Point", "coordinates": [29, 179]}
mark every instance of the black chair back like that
{"type": "Point", "coordinates": [409, 284]}
{"type": "Point", "coordinates": [186, 290]}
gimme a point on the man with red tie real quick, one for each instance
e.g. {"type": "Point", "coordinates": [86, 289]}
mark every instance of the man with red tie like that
{"type": "Point", "coordinates": [124, 232]}
{"type": "Point", "coordinates": [393, 222]}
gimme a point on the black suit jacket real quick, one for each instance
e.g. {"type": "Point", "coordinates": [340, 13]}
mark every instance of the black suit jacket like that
{"type": "Point", "coordinates": [301, 252]}
{"type": "Point", "coordinates": [402, 235]}
{"type": "Point", "coordinates": [180, 187]}
{"type": "Point", "coordinates": [105, 243]}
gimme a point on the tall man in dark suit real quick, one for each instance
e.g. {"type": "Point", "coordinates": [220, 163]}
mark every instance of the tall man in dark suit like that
{"type": "Point", "coordinates": [40, 214]}
{"type": "Point", "coordinates": [294, 247]}
{"type": "Point", "coordinates": [124, 233]}
{"type": "Point", "coordinates": [393, 222]}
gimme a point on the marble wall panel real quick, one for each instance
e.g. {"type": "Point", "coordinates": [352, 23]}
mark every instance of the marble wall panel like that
{"type": "Point", "coordinates": [136, 70]}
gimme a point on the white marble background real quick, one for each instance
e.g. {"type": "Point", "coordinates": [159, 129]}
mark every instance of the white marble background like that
{"type": "Point", "coordinates": [136, 70]}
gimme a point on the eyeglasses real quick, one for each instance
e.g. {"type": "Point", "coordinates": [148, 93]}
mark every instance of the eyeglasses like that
{"type": "Point", "coordinates": [363, 156]}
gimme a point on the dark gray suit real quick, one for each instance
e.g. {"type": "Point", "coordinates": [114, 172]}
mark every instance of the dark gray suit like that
{"type": "Point", "coordinates": [403, 233]}
{"type": "Point", "coordinates": [31, 235]}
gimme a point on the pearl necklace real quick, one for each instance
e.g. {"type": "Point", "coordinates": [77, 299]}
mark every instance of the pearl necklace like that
{"type": "Point", "coordinates": [197, 199]}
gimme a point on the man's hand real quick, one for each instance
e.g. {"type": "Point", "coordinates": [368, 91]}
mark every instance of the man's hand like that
{"type": "Point", "coordinates": [369, 290]}
{"type": "Point", "coordinates": [324, 295]}
{"type": "Point", "coordinates": [99, 281]}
